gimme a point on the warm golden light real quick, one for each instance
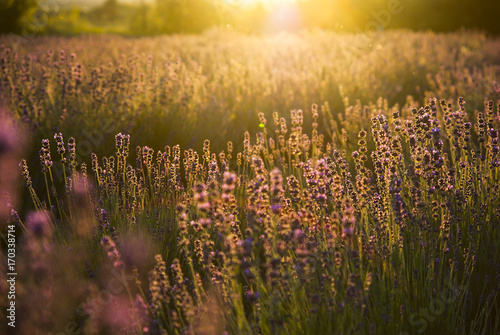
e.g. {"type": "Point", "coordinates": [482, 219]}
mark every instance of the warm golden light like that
{"type": "Point", "coordinates": [283, 16]}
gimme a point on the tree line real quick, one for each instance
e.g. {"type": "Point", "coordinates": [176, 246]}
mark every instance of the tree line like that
{"type": "Point", "coordinates": [194, 16]}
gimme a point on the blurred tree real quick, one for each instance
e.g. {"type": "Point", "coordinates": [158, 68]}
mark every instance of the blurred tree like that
{"type": "Point", "coordinates": [106, 13]}
{"type": "Point", "coordinates": [194, 16]}
{"type": "Point", "coordinates": [143, 21]}
{"type": "Point", "coordinates": [12, 13]}
{"type": "Point", "coordinates": [438, 15]}
{"type": "Point", "coordinates": [143, 16]}
{"type": "Point", "coordinates": [186, 16]}
{"type": "Point", "coordinates": [110, 9]}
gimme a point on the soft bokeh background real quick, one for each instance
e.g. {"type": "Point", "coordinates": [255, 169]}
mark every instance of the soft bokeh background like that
{"type": "Point", "coordinates": [150, 17]}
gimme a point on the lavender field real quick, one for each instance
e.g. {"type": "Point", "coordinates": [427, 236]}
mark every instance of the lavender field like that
{"type": "Point", "coordinates": [223, 183]}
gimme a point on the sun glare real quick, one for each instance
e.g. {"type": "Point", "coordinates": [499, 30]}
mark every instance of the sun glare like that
{"type": "Point", "coordinates": [268, 2]}
{"type": "Point", "coordinates": [283, 15]}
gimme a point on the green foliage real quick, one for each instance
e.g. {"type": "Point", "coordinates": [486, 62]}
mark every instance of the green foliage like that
{"type": "Point", "coordinates": [70, 22]}
{"type": "Point", "coordinates": [14, 15]}
{"type": "Point", "coordinates": [195, 16]}
{"type": "Point", "coordinates": [186, 16]}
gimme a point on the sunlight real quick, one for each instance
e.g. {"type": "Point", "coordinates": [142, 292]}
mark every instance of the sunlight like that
{"type": "Point", "coordinates": [283, 16]}
{"type": "Point", "coordinates": [267, 2]}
